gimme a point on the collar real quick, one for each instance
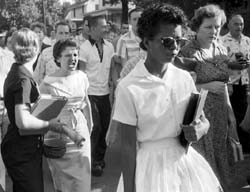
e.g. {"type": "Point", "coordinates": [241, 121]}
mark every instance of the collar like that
{"type": "Point", "coordinates": [196, 44]}
{"type": "Point", "coordinates": [93, 41]}
{"type": "Point", "coordinates": [242, 36]}
{"type": "Point", "coordinates": [140, 71]}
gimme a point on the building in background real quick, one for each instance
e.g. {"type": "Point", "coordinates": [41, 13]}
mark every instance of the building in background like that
{"type": "Point", "coordinates": [79, 9]}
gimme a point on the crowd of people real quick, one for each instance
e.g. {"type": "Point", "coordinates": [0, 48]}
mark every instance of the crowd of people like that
{"type": "Point", "coordinates": [130, 83]}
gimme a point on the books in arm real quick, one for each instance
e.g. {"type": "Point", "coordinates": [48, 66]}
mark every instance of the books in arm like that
{"type": "Point", "coordinates": [193, 112]}
{"type": "Point", "coordinates": [48, 107]}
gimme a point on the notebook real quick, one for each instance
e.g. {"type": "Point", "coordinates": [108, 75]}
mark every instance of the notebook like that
{"type": "Point", "coordinates": [48, 107]}
{"type": "Point", "coordinates": [193, 112]}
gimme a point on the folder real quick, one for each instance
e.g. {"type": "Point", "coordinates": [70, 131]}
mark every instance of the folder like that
{"type": "Point", "coordinates": [48, 107]}
{"type": "Point", "coordinates": [193, 112]}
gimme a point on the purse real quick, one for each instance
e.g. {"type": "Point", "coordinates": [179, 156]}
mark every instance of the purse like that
{"type": "Point", "coordinates": [54, 148]}
{"type": "Point", "coordinates": [236, 150]}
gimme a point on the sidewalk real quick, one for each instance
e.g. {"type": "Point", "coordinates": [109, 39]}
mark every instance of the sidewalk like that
{"type": "Point", "coordinates": [109, 180]}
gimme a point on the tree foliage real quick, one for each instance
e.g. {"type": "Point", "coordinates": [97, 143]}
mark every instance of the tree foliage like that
{"type": "Point", "coordinates": [187, 5]}
{"type": "Point", "coordinates": [23, 12]}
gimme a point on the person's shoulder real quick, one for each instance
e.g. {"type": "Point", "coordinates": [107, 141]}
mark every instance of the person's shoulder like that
{"type": "Point", "coordinates": [125, 36]}
{"type": "Point", "coordinates": [226, 39]}
{"type": "Point", "coordinates": [44, 46]}
{"type": "Point", "coordinates": [247, 38]}
{"type": "Point", "coordinates": [189, 49]}
{"type": "Point", "coordinates": [81, 74]}
{"type": "Point", "coordinates": [178, 71]}
{"type": "Point", "coordinates": [108, 43]}
{"type": "Point", "coordinates": [86, 46]}
{"type": "Point", "coordinates": [226, 36]}
{"type": "Point", "coordinates": [47, 51]}
{"type": "Point", "coordinates": [180, 76]}
{"type": "Point", "coordinates": [128, 80]}
{"type": "Point", "coordinates": [134, 74]}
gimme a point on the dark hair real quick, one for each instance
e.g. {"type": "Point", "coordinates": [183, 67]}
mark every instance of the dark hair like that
{"type": "Point", "coordinates": [207, 11]}
{"type": "Point", "coordinates": [148, 24]}
{"type": "Point", "coordinates": [9, 34]}
{"type": "Point", "coordinates": [93, 21]}
{"type": "Point", "coordinates": [86, 18]}
{"type": "Point", "coordinates": [65, 23]}
{"type": "Point", "coordinates": [38, 25]}
{"type": "Point", "coordinates": [137, 9]}
{"type": "Point", "coordinates": [60, 46]}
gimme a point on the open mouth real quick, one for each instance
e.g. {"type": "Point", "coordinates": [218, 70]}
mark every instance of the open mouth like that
{"type": "Point", "coordinates": [72, 64]}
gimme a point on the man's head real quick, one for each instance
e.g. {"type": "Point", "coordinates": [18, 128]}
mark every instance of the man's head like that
{"type": "Point", "coordinates": [124, 28]}
{"type": "Point", "coordinates": [85, 27]}
{"type": "Point", "coordinates": [236, 25]}
{"type": "Point", "coordinates": [62, 30]}
{"type": "Point", "coordinates": [133, 17]}
{"type": "Point", "coordinates": [98, 27]}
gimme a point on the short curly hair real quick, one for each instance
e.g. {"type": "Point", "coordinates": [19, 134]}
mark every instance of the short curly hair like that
{"type": "Point", "coordinates": [25, 45]}
{"type": "Point", "coordinates": [207, 11]}
{"type": "Point", "coordinates": [60, 46]}
{"type": "Point", "coordinates": [148, 24]}
{"type": "Point", "coordinates": [38, 25]}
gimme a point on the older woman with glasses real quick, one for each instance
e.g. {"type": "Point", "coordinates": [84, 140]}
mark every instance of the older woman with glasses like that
{"type": "Point", "coordinates": [212, 73]}
{"type": "Point", "coordinates": [150, 105]}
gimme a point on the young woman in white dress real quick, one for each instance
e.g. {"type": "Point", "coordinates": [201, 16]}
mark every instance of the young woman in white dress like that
{"type": "Point", "coordinates": [71, 172]}
{"type": "Point", "coordinates": [149, 109]}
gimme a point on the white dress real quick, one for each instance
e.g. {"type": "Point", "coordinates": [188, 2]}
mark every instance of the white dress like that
{"type": "Point", "coordinates": [72, 171]}
{"type": "Point", "coordinates": [156, 107]}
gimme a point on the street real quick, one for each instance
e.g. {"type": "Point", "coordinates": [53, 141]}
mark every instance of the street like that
{"type": "Point", "coordinates": [109, 180]}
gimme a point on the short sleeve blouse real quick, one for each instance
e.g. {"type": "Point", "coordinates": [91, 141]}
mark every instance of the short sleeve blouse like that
{"type": "Point", "coordinates": [19, 88]}
{"type": "Point", "coordinates": [155, 106]}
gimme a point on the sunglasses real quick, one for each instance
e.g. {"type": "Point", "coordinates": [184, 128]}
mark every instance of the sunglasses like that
{"type": "Point", "coordinates": [169, 42]}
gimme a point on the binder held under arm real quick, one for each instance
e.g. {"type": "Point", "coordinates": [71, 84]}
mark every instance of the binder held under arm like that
{"type": "Point", "coordinates": [193, 112]}
{"type": "Point", "coordinates": [48, 107]}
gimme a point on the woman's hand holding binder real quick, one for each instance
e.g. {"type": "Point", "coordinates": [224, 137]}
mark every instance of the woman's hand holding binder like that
{"type": "Point", "coordinates": [196, 129]}
{"type": "Point", "coordinates": [57, 126]}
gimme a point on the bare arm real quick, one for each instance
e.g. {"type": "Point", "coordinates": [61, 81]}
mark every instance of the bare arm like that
{"type": "Point", "coordinates": [217, 87]}
{"type": "Point", "coordinates": [231, 118]}
{"type": "Point", "coordinates": [128, 155]}
{"type": "Point", "coordinates": [27, 123]}
{"type": "Point", "coordinates": [238, 65]}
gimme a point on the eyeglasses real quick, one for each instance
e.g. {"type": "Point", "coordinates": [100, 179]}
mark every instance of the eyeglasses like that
{"type": "Point", "coordinates": [169, 42]}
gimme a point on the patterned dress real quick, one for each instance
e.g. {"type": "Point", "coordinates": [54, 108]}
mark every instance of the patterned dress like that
{"type": "Point", "coordinates": [214, 146]}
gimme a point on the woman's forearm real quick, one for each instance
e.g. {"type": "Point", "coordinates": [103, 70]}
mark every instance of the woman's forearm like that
{"type": "Point", "coordinates": [128, 156]}
{"type": "Point", "coordinates": [30, 125]}
{"type": "Point", "coordinates": [206, 86]}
